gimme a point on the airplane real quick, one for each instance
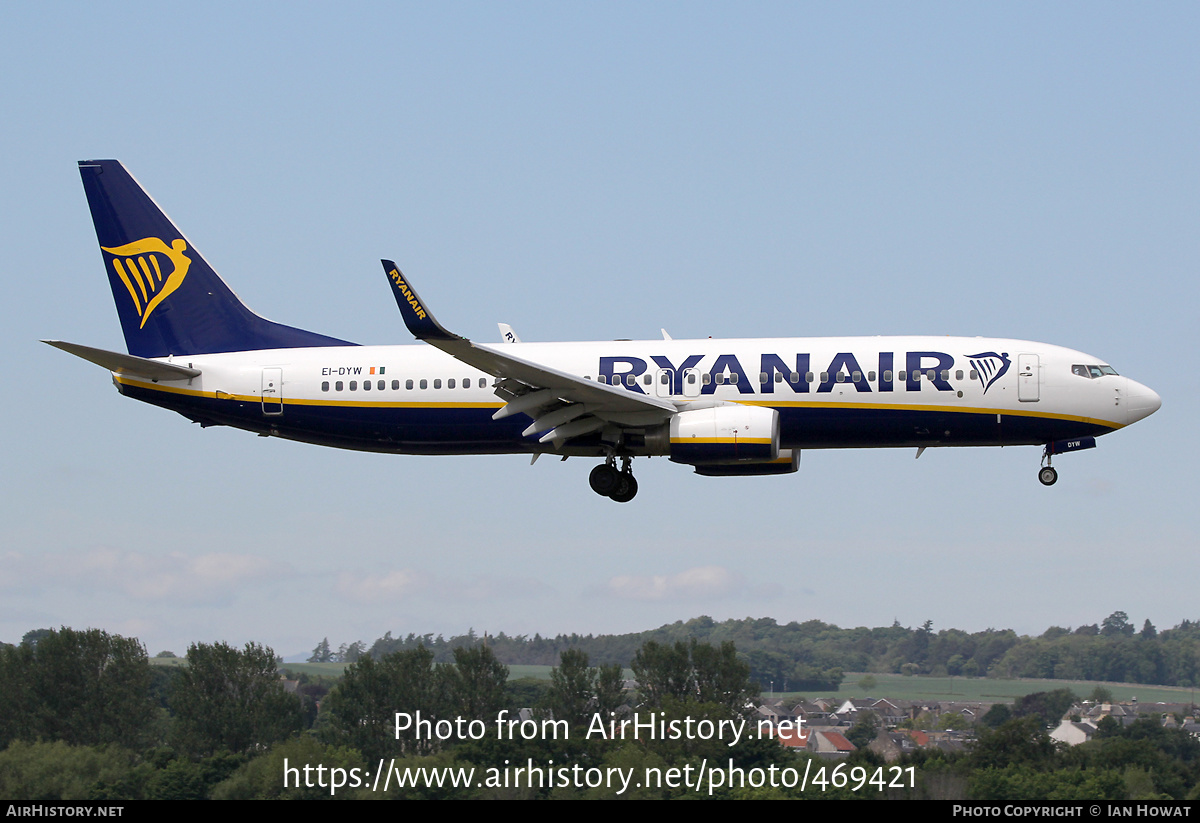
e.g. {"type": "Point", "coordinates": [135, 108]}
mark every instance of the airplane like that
{"type": "Point", "coordinates": [727, 408]}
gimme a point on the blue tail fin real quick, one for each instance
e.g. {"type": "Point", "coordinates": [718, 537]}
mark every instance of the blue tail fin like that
{"type": "Point", "coordinates": [169, 299]}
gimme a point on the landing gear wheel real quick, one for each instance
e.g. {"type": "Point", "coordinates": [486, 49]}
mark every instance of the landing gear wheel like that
{"type": "Point", "coordinates": [1048, 475]}
{"type": "Point", "coordinates": [605, 480]}
{"type": "Point", "coordinates": [626, 490]}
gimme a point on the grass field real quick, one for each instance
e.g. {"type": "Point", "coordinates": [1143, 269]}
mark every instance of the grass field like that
{"type": "Point", "coordinates": [991, 690]}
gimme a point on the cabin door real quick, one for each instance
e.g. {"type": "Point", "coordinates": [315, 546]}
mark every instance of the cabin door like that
{"type": "Point", "coordinates": [1027, 378]}
{"type": "Point", "coordinates": [272, 391]}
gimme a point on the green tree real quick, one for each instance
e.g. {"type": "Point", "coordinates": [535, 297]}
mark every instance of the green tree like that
{"type": "Point", "coordinates": [864, 730]}
{"type": "Point", "coordinates": [32, 637]}
{"type": "Point", "coordinates": [1020, 741]}
{"type": "Point", "coordinates": [578, 691]}
{"type": "Point", "coordinates": [231, 699]}
{"type": "Point", "coordinates": [693, 671]}
{"type": "Point", "coordinates": [361, 711]}
{"type": "Point", "coordinates": [997, 715]}
{"type": "Point", "coordinates": [1116, 624]}
{"type": "Point", "coordinates": [571, 683]}
{"type": "Point", "coordinates": [321, 654]}
{"type": "Point", "coordinates": [82, 687]}
{"type": "Point", "coordinates": [1049, 707]}
{"type": "Point", "coordinates": [477, 683]}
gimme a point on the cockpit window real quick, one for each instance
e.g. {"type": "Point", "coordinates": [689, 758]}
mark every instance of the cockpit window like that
{"type": "Point", "coordinates": [1092, 372]}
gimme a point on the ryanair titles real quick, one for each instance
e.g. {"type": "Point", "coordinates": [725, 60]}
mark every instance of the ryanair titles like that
{"type": "Point", "coordinates": [403, 288]}
{"type": "Point", "coordinates": [688, 376]}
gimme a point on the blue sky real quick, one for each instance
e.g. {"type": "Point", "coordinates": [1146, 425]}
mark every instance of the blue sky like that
{"type": "Point", "coordinates": [598, 171]}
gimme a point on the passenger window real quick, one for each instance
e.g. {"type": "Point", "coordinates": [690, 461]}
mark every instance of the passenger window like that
{"type": "Point", "coordinates": [630, 380]}
{"type": "Point", "coordinates": [733, 378]}
{"type": "Point", "coordinates": [887, 376]}
{"type": "Point", "coordinates": [824, 377]}
{"type": "Point", "coordinates": [408, 384]}
{"type": "Point", "coordinates": [902, 375]}
{"type": "Point", "coordinates": [870, 377]}
{"type": "Point", "coordinates": [395, 385]}
{"type": "Point", "coordinates": [424, 383]}
{"type": "Point", "coordinates": [338, 385]}
{"type": "Point", "coordinates": [857, 377]}
{"type": "Point", "coordinates": [366, 385]}
{"type": "Point", "coordinates": [795, 378]}
{"type": "Point", "coordinates": [840, 377]}
{"type": "Point", "coordinates": [945, 374]}
{"type": "Point", "coordinates": [691, 378]}
{"type": "Point", "coordinates": [381, 385]}
{"type": "Point", "coordinates": [808, 376]}
{"type": "Point", "coordinates": [779, 377]}
{"type": "Point", "coordinates": [437, 382]}
{"type": "Point", "coordinates": [762, 377]}
{"type": "Point", "coordinates": [931, 374]}
{"type": "Point", "coordinates": [706, 379]}
{"type": "Point", "coordinates": [483, 382]}
{"type": "Point", "coordinates": [974, 374]}
{"type": "Point", "coordinates": [325, 386]}
{"type": "Point", "coordinates": [664, 378]}
{"type": "Point", "coordinates": [450, 383]}
{"type": "Point", "coordinates": [958, 375]}
{"type": "Point", "coordinates": [720, 379]}
{"type": "Point", "coordinates": [467, 383]}
{"type": "Point", "coordinates": [353, 385]}
{"type": "Point", "coordinates": [647, 379]}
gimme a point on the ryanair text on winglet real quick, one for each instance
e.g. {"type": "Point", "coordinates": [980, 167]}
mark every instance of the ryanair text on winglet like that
{"type": "Point", "coordinates": [407, 292]}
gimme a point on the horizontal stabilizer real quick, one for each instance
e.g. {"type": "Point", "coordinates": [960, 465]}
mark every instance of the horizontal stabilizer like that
{"type": "Point", "coordinates": [126, 363]}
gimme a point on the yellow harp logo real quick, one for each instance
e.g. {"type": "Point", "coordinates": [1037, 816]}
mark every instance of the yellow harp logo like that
{"type": "Point", "coordinates": [140, 266]}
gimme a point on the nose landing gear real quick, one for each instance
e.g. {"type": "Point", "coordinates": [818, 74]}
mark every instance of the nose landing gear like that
{"type": "Point", "coordinates": [607, 481]}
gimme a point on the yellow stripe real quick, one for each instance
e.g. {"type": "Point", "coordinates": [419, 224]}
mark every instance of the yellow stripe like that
{"type": "Point", "coordinates": [254, 398]}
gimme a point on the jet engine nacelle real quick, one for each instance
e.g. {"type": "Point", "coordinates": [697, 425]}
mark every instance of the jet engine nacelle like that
{"type": "Point", "coordinates": [723, 435]}
{"type": "Point", "coordinates": [788, 462]}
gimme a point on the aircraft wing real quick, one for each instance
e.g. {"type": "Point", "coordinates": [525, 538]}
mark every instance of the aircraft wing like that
{"type": "Point", "coordinates": [563, 405]}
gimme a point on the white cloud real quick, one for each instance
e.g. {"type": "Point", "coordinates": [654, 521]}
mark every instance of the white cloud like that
{"type": "Point", "coordinates": [394, 585]}
{"type": "Point", "coordinates": [702, 581]}
{"type": "Point", "coordinates": [404, 584]}
{"type": "Point", "coordinates": [173, 576]}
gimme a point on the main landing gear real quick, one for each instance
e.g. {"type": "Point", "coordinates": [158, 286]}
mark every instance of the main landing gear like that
{"type": "Point", "coordinates": [607, 481]}
{"type": "Point", "coordinates": [1047, 473]}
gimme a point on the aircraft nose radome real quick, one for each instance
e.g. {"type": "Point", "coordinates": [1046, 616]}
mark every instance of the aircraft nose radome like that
{"type": "Point", "coordinates": [1143, 401]}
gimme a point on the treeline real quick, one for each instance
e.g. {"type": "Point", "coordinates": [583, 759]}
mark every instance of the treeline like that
{"type": "Point", "coordinates": [83, 715]}
{"type": "Point", "coordinates": [812, 655]}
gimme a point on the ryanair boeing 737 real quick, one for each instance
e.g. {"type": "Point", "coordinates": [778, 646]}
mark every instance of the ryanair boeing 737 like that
{"type": "Point", "coordinates": [725, 407]}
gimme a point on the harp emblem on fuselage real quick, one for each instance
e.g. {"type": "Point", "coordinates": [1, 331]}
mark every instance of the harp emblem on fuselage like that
{"type": "Point", "coordinates": [990, 367]}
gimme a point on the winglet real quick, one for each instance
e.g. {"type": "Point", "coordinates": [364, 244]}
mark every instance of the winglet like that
{"type": "Point", "coordinates": [418, 319]}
